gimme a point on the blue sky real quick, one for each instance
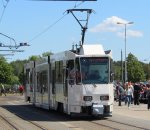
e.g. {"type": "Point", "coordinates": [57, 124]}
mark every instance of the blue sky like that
{"type": "Point", "coordinates": [23, 20]}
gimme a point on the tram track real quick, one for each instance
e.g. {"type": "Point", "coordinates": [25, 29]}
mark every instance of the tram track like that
{"type": "Point", "coordinates": [116, 125]}
{"type": "Point", "coordinates": [10, 124]}
{"type": "Point", "coordinates": [48, 120]}
{"type": "Point", "coordinates": [16, 122]}
{"type": "Point", "coordinates": [134, 126]}
{"type": "Point", "coordinates": [107, 124]}
{"type": "Point", "coordinates": [39, 126]}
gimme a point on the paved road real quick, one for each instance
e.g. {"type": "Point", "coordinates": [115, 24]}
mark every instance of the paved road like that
{"type": "Point", "coordinates": [135, 111]}
{"type": "Point", "coordinates": [135, 118]}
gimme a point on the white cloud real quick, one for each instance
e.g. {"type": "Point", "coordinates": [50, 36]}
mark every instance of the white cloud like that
{"type": "Point", "coordinates": [110, 25]}
{"type": "Point", "coordinates": [130, 33]}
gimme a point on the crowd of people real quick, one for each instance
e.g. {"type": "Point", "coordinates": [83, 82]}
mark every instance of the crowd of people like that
{"type": "Point", "coordinates": [131, 93]}
{"type": "Point", "coordinates": [16, 89]}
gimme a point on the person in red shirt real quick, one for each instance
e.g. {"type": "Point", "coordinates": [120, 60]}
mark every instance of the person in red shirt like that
{"type": "Point", "coordinates": [21, 89]}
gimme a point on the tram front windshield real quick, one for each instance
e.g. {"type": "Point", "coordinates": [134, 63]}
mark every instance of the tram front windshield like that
{"type": "Point", "coordinates": [94, 70]}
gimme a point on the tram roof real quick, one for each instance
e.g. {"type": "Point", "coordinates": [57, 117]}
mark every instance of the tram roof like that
{"type": "Point", "coordinates": [91, 50]}
{"type": "Point", "coordinates": [84, 50]}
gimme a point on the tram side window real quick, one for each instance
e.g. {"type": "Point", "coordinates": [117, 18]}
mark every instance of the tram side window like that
{"type": "Point", "coordinates": [65, 81]}
{"type": "Point", "coordinates": [53, 82]}
{"type": "Point", "coordinates": [31, 83]}
{"type": "Point", "coordinates": [78, 74]}
{"type": "Point", "coordinates": [27, 76]}
{"type": "Point", "coordinates": [71, 71]}
{"type": "Point", "coordinates": [38, 82]}
{"type": "Point", "coordinates": [42, 82]}
{"type": "Point", "coordinates": [59, 71]}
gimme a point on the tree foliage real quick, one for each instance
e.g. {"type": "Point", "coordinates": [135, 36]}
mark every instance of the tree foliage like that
{"type": "Point", "coordinates": [47, 54]}
{"type": "Point", "coordinates": [18, 68]}
{"type": "Point", "coordinates": [134, 69]}
{"type": "Point", "coordinates": [34, 58]}
{"type": "Point", "coordinates": [117, 70]}
{"type": "Point", "coordinates": [146, 67]}
{"type": "Point", "coordinates": [6, 71]}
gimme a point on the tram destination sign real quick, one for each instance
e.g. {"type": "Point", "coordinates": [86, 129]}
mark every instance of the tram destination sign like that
{"type": "Point", "coordinates": [94, 60]}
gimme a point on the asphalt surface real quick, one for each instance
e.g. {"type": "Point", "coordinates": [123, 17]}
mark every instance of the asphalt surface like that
{"type": "Point", "coordinates": [135, 111]}
{"type": "Point", "coordinates": [137, 117]}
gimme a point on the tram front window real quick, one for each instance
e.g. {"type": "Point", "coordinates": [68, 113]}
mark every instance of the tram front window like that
{"type": "Point", "coordinates": [94, 70]}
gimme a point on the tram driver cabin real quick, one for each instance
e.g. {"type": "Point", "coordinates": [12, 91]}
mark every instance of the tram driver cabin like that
{"type": "Point", "coordinates": [74, 82]}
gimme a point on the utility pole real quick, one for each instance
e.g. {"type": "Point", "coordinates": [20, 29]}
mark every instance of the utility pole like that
{"type": "Point", "coordinates": [122, 79]}
{"type": "Point", "coordinates": [125, 40]}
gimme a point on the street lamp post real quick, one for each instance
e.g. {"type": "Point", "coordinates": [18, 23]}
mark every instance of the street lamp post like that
{"type": "Point", "coordinates": [125, 37]}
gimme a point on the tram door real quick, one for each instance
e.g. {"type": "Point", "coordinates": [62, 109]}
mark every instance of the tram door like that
{"type": "Point", "coordinates": [29, 82]}
{"type": "Point", "coordinates": [71, 83]}
{"type": "Point", "coordinates": [32, 95]}
{"type": "Point", "coordinates": [38, 89]}
{"type": "Point", "coordinates": [42, 87]}
{"type": "Point", "coordinates": [53, 92]}
{"type": "Point", "coordinates": [74, 85]}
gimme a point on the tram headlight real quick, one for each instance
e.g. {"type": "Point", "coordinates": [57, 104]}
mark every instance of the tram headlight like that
{"type": "Point", "coordinates": [104, 97]}
{"type": "Point", "coordinates": [87, 98]}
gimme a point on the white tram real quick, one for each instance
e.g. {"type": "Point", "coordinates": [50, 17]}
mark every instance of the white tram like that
{"type": "Point", "coordinates": [73, 82]}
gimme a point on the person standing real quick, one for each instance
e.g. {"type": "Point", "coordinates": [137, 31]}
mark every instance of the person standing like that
{"type": "Point", "coordinates": [120, 93]}
{"type": "Point", "coordinates": [137, 90]}
{"type": "Point", "coordinates": [130, 84]}
{"type": "Point", "coordinates": [2, 89]}
{"type": "Point", "coordinates": [129, 94]}
{"type": "Point", "coordinates": [148, 97]}
{"type": "Point", "coordinates": [21, 88]}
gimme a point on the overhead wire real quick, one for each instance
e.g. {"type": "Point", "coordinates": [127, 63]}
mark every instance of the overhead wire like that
{"type": "Point", "coordinates": [4, 5]}
{"type": "Point", "coordinates": [76, 5]}
{"type": "Point", "coordinates": [45, 30]}
{"type": "Point", "coordinates": [50, 26]}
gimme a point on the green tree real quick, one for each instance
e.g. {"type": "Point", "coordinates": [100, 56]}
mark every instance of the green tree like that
{"type": "Point", "coordinates": [47, 54]}
{"type": "Point", "coordinates": [146, 67]}
{"type": "Point", "coordinates": [134, 69]}
{"type": "Point", "coordinates": [34, 58]}
{"type": "Point", "coordinates": [6, 71]}
{"type": "Point", "coordinates": [18, 67]}
{"type": "Point", "coordinates": [117, 70]}
{"type": "Point", "coordinates": [14, 80]}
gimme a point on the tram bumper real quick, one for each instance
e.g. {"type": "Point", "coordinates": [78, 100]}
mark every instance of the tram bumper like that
{"type": "Point", "coordinates": [97, 109]}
